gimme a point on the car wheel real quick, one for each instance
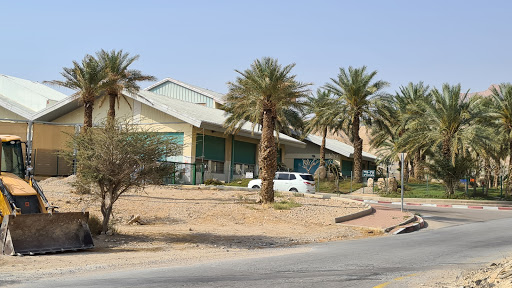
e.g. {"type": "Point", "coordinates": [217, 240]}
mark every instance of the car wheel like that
{"type": "Point", "coordinates": [294, 190]}
{"type": "Point", "coordinates": [255, 187]}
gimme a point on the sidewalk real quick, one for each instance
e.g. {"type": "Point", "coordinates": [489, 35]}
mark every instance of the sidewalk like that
{"type": "Point", "coordinates": [444, 203]}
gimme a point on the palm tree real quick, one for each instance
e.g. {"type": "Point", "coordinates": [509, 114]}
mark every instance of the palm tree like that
{"type": "Point", "coordinates": [502, 115]}
{"type": "Point", "coordinates": [120, 77]}
{"type": "Point", "coordinates": [450, 125]}
{"type": "Point", "coordinates": [261, 95]}
{"type": "Point", "coordinates": [88, 80]}
{"type": "Point", "coordinates": [326, 118]}
{"type": "Point", "coordinates": [356, 92]}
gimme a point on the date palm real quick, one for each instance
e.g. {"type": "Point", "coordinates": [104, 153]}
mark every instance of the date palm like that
{"type": "Point", "coordinates": [88, 79]}
{"type": "Point", "coordinates": [357, 93]}
{"type": "Point", "coordinates": [120, 77]}
{"type": "Point", "coordinates": [501, 113]}
{"type": "Point", "coordinates": [393, 112]}
{"type": "Point", "coordinates": [326, 118]}
{"type": "Point", "coordinates": [449, 124]}
{"type": "Point", "coordinates": [261, 95]}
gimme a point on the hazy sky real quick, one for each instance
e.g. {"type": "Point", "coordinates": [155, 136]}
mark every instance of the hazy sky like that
{"type": "Point", "coordinates": [202, 42]}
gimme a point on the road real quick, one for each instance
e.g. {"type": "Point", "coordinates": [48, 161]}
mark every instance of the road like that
{"type": "Point", "coordinates": [456, 239]}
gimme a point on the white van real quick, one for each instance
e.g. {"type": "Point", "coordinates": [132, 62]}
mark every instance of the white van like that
{"type": "Point", "coordinates": [289, 181]}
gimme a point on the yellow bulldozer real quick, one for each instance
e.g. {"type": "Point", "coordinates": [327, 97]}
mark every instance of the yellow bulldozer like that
{"type": "Point", "coordinates": [30, 225]}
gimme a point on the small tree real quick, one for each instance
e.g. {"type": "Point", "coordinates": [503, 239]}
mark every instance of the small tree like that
{"type": "Point", "coordinates": [116, 158]}
{"type": "Point", "coordinates": [308, 164]}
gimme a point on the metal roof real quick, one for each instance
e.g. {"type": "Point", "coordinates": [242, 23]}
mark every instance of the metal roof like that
{"type": "Point", "coordinates": [194, 114]}
{"type": "Point", "coordinates": [218, 97]}
{"type": "Point", "coordinates": [339, 147]}
{"type": "Point", "coordinates": [27, 95]}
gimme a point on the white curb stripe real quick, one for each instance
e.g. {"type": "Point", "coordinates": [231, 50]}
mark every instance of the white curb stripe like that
{"type": "Point", "coordinates": [396, 203]}
{"type": "Point", "coordinates": [460, 206]}
{"type": "Point", "coordinates": [490, 208]}
{"type": "Point", "coordinates": [429, 205]}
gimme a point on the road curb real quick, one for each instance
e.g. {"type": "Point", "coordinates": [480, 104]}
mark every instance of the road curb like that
{"type": "Point", "coordinates": [409, 220]}
{"type": "Point", "coordinates": [353, 216]}
{"type": "Point", "coordinates": [479, 207]}
{"type": "Point", "coordinates": [415, 227]}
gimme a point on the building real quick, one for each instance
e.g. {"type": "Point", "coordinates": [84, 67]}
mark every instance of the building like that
{"type": "Point", "coordinates": [20, 98]}
{"type": "Point", "coordinates": [342, 154]}
{"type": "Point", "coordinates": [206, 147]}
{"type": "Point", "coordinates": [186, 92]}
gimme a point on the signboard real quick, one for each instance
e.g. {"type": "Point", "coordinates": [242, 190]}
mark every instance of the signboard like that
{"type": "Point", "coordinates": [369, 173]}
{"type": "Point", "coordinates": [249, 175]}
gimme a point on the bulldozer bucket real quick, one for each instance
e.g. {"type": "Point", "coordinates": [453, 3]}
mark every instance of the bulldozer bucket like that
{"type": "Point", "coordinates": [29, 234]}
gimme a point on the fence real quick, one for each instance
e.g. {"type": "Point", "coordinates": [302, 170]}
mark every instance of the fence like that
{"type": "Point", "coordinates": [48, 139]}
{"type": "Point", "coordinates": [48, 162]}
{"type": "Point", "coordinates": [180, 173]}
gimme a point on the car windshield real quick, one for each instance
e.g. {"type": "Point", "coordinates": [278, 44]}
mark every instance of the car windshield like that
{"type": "Point", "coordinates": [307, 177]}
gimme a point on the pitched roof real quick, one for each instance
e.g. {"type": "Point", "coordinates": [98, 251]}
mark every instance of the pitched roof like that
{"type": "Point", "coordinates": [26, 97]}
{"type": "Point", "coordinates": [339, 147]}
{"type": "Point", "coordinates": [218, 97]}
{"type": "Point", "coordinates": [197, 115]}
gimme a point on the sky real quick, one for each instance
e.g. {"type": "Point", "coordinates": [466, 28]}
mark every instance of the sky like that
{"type": "Point", "coordinates": [203, 42]}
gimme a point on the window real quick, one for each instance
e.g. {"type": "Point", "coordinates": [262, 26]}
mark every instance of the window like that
{"type": "Point", "coordinates": [307, 177]}
{"type": "Point", "coordinates": [283, 176]}
{"type": "Point", "coordinates": [217, 167]}
{"type": "Point", "coordinates": [292, 177]}
{"type": "Point", "coordinates": [240, 169]}
{"type": "Point", "coordinates": [210, 166]}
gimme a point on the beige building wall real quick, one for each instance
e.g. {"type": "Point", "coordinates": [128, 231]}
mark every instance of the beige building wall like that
{"type": "Point", "coordinates": [162, 122]}
{"type": "Point", "coordinates": [99, 112]}
{"type": "Point", "coordinates": [47, 141]}
{"type": "Point", "coordinates": [14, 128]}
{"type": "Point", "coordinates": [7, 114]}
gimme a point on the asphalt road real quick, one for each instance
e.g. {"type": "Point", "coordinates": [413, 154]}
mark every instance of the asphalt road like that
{"type": "Point", "coordinates": [461, 239]}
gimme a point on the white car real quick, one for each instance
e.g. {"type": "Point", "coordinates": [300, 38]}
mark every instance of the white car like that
{"type": "Point", "coordinates": [289, 181]}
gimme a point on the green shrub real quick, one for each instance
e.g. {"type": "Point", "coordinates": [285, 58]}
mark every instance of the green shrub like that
{"type": "Point", "coordinates": [95, 224]}
{"type": "Point", "coordinates": [286, 205]}
{"type": "Point", "coordinates": [213, 182]}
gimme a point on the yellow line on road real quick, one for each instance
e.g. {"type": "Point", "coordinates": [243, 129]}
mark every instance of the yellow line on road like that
{"type": "Point", "coordinates": [396, 279]}
{"type": "Point", "coordinates": [382, 285]}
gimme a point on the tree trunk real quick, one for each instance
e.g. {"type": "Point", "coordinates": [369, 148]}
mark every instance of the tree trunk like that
{"type": "Point", "coordinates": [322, 171]}
{"type": "Point", "coordinates": [106, 211]}
{"type": "Point", "coordinates": [497, 169]}
{"type": "Point", "coordinates": [418, 166]}
{"type": "Point", "coordinates": [111, 114]}
{"type": "Point", "coordinates": [88, 106]}
{"type": "Point", "coordinates": [268, 157]}
{"type": "Point", "coordinates": [509, 179]}
{"type": "Point", "coordinates": [406, 170]}
{"type": "Point", "coordinates": [322, 148]}
{"type": "Point", "coordinates": [446, 149]}
{"type": "Point", "coordinates": [412, 173]}
{"type": "Point", "coordinates": [358, 149]}
{"type": "Point", "coordinates": [487, 170]}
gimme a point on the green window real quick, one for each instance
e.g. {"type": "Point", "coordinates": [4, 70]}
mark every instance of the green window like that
{"type": "Point", "coordinates": [244, 152]}
{"type": "Point", "coordinates": [214, 147]}
{"type": "Point", "coordinates": [346, 168]}
{"type": "Point", "coordinates": [176, 136]}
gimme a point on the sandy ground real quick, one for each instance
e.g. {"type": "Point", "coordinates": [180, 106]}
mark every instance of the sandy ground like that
{"type": "Point", "coordinates": [182, 227]}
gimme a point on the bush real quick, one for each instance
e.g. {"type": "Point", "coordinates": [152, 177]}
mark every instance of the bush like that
{"type": "Point", "coordinates": [213, 182]}
{"type": "Point", "coordinates": [94, 224]}
{"type": "Point", "coordinates": [286, 205]}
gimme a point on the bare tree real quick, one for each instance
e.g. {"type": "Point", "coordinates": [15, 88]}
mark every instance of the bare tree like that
{"type": "Point", "coordinates": [114, 159]}
{"type": "Point", "coordinates": [308, 164]}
